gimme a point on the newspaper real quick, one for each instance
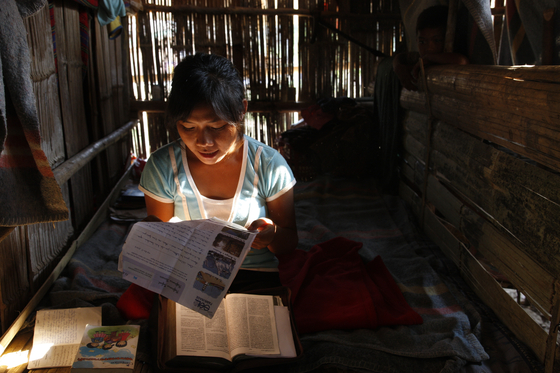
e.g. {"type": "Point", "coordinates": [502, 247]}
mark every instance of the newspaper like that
{"type": "Point", "coordinates": [191, 262]}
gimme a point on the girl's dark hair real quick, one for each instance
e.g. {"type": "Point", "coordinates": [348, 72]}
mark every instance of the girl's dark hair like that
{"type": "Point", "coordinates": [206, 79]}
{"type": "Point", "coordinates": [432, 17]}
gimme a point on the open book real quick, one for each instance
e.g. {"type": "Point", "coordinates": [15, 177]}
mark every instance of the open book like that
{"type": "Point", "coordinates": [190, 262]}
{"type": "Point", "coordinates": [57, 335]}
{"type": "Point", "coordinates": [248, 330]}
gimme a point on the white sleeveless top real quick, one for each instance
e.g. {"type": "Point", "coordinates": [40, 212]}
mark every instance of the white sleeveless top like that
{"type": "Point", "coordinates": [219, 208]}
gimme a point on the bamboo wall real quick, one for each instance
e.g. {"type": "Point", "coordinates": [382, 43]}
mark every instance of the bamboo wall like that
{"type": "Point", "coordinates": [284, 48]}
{"type": "Point", "coordinates": [78, 104]}
{"type": "Point", "coordinates": [490, 194]}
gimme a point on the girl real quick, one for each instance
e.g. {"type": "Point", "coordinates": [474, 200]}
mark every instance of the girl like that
{"type": "Point", "coordinates": [214, 170]}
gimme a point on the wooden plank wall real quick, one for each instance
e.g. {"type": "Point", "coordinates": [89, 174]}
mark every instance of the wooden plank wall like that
{"type": "Point", "coordinates": [491, 192]}
{"type": "Point", "coordinates": [77, 105]}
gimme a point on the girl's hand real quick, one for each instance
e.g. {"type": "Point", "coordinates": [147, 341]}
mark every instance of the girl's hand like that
{"type": "Point", "coordinates": [267, 232]}
{"type": "Point", "coordinates": [278, 232]}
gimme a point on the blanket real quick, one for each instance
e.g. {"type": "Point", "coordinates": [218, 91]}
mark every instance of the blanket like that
{"type": "Point", "coordinates": [458, 334]}
{"type": "Point", "coordinates": [30, 193]}
{"type": "Point", "coordinates": [449, 338]}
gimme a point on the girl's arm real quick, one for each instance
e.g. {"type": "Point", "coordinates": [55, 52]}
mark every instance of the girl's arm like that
{"type": "Point", "coordinates": [278, 232]}
{"type": "Point", "coordinates": [163, 211]}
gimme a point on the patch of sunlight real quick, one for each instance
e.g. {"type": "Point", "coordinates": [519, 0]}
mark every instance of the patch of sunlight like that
{"type": "Point", "coordinates": [14, 359]}
{"type": "Point", "coordinates": [39, 351]}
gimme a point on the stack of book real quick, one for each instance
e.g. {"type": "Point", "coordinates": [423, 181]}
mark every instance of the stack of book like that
{"type": "Point", "coordinates": [75, 338]}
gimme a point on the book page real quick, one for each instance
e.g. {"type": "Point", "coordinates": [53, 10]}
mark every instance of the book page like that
{"type": "Point", "coordinates": [57, 335]}
{"type": "Point", "coordinates": [198, 335]}
{"type": "Point", "coordinates": [251, 324]}
{"type": "Point", "coordinates": [190, 262]}
{"type": "Point", "coordinates": [285, 336]}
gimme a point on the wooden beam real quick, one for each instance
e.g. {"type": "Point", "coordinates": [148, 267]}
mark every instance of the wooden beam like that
{"type": "Point", "coordinates": [5, 231]}
{"type": "Point", "coordinates": [254, 106]}
{"type": "Point", "coordinates": [498, 10]}
{"type": "Point", "coordinates": [148, 106]}
{"type": "Point", "coordinates": [374, 51]}
{"type": "Point", "coordinates": [270, 12]}
{"type": "Point", "coordinates": [65, 171]}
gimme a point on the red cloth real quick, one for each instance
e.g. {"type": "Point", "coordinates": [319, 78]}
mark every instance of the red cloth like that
{"type": "Point", "coordinates": [332, 288]}
{"type": "Point", "coordinates": [136, 303]}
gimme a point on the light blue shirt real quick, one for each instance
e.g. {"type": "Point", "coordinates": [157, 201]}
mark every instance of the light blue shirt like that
{"type": "Point", "coordinates": [265, 177]}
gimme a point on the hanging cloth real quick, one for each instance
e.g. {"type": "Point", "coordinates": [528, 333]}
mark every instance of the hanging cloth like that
{"type": "Point", "coordinates": [30, 193]}
{"type": "Point", "coordinates": [109, 10]}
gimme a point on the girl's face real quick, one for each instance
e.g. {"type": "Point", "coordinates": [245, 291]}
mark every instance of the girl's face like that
{"type": "Point", "coordinates": [207, 137]}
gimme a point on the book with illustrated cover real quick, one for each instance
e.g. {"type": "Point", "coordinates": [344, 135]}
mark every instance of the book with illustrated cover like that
{"type": "Point", "coordinates": [107, 348]}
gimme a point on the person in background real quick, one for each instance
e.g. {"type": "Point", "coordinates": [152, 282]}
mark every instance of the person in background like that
{"type": "Point", "coordinates": [214, 170]}
{"type": "Point", "coordinates": [431, 27]}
